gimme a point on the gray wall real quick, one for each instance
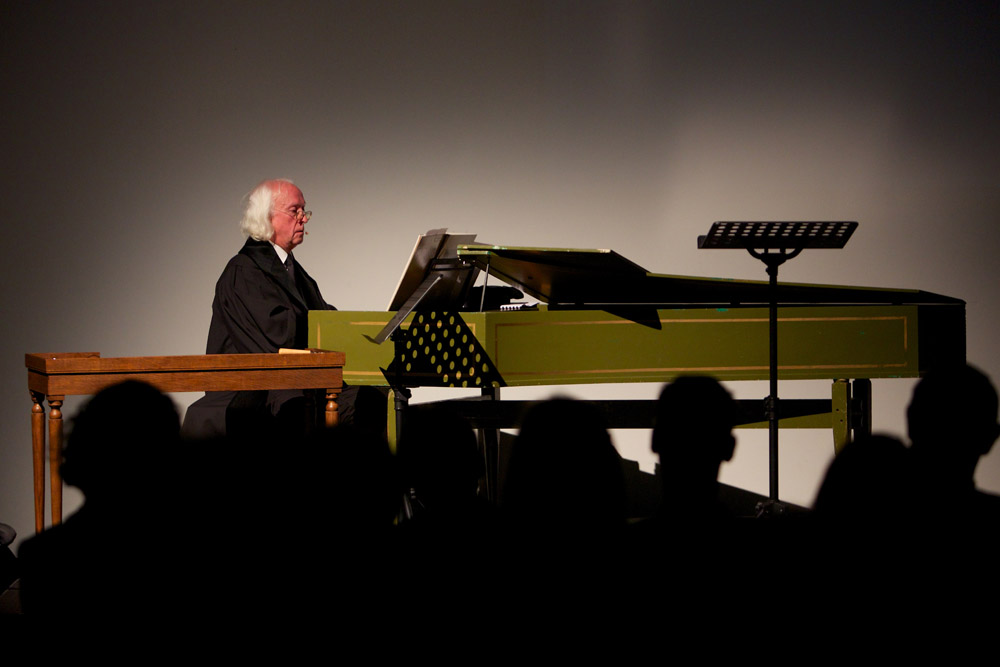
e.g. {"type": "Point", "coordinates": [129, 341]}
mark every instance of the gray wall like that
{"type": "Point", "coordinates": [132, 130]}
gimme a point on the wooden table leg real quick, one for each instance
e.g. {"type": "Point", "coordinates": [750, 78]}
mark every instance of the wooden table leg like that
{"type": "Point", "coordinates": [332, 418]}
{"type": "Point", "coordinates": [38, 457]}
{"type": "Point", "coordinates": [55, 455]}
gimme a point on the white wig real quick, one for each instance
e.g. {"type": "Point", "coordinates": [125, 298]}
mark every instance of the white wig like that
{"type": "Point", "coordinates": [256, 222]}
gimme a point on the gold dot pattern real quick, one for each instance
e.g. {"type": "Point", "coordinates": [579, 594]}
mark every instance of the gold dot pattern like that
{"type": "Point", "coordinates": [439, 349]}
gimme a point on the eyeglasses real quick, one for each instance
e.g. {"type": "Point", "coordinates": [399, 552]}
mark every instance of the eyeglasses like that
{"type": "Point", "coordinates": [298, 214]}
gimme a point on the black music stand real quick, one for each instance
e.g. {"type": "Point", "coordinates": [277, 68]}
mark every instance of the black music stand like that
{"type": "Point", "coordinates": [774, 243]}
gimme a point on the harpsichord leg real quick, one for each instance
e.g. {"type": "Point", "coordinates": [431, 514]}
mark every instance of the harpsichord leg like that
{"type": "Point", "coordinates": [490, 443]}
{"type": "Point", "coordinates": [861, 407]}
{"type": "Point", "coordinates": [851, 409]}
{"type": "Point", "coordinates": [840, 412]}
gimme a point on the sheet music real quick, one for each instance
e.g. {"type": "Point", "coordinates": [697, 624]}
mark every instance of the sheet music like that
{"type": "Point", "coordinates": [435, 244]}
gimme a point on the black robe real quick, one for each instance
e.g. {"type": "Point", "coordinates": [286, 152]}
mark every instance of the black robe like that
{"type": "Point", "coordinates": [258, 308]}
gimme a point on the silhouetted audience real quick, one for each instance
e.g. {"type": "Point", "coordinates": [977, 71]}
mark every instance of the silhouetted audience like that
{"type": "Point", "coordinates": [952, 423]}
{"type": "Point", "coordinates": [689, 542]}
{"type": "Point", "coordinates": [693, 437]}
{"type": "Point", "coordinates": [563, 509]}
{"type": "Point", "coordinates": [442, 468]}
{"type": "Point", "coordinates": [351, 480]}
{"type": "Point", "coordinates": [9, 568]}
{"type": "Point", "coordinates": [868, 488]}
{"type": "Point", "coordinates": [860, 533]}
{"type": "Point", "coordinates": [114, 553]}
{"type": "Point", "coordinates": [336, 503]}
{"type": "Point", "coordinates": [448, 531]}
{"type": "Point", "coordinates": [564, 477]}
{"type": "Point", "coordinates": [230, 520]}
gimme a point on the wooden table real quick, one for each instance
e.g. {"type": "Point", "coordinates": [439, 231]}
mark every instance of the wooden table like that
{"type": "Point", "coordinates": [52, 377]}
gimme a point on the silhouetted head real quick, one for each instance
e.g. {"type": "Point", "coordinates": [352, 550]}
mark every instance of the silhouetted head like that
{"type": "Point", "coordinates": [439, 456]}
{"type": "Point", "coordinates": [952, 419]}
{"type": "Point", "coordinates": [694, 428]}
{"type": "Point", "coordinates": [353, 478]}
{"type": "Point", "coordinates": [119, 438]}
{"type": "Point", "coordinates": [868, 483]}
{"type": "Point", "coordinates": [563, 469]}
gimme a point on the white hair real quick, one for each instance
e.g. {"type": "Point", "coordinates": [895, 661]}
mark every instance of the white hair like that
{"type": "Point", "coordinates": [256, 222]}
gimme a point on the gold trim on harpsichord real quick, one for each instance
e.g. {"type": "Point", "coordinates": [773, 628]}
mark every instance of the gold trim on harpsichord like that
{"type": "Point", "coordinates": [702, 369]}
{"type": "Point", "coordinates": [711, 320]}
{"type": "Point", "coordinates": [501, 346]}
{"type": "Point", "coordinates": [404, 325]}
{"type": "Point", "coordinates": [372, 323]}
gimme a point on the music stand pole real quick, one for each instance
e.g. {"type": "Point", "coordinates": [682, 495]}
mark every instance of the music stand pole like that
{"type": "Point", "coordinates": [774, 243]}
{"type": "Point", "coordinates": [773, 260]}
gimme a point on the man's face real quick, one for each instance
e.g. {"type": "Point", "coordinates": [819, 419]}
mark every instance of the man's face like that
{"type": "Point", "coordinates": [288, 231]}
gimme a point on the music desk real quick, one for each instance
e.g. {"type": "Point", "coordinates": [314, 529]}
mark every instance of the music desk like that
{"type": "Point", "coordinates": [52, 377]}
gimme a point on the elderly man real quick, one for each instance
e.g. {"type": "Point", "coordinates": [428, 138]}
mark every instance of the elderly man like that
{"type": "Point", "coordinates": [261, 304]}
